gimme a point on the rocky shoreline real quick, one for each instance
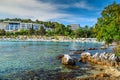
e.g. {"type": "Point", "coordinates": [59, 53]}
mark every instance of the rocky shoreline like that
{"type": "Point", "coordinates": [45, 38]}
{"type": "Point", "coordinates": [109, 65]}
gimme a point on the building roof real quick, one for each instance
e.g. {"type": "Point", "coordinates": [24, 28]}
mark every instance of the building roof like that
{"type": "Point", "coordinates": [12, 22]}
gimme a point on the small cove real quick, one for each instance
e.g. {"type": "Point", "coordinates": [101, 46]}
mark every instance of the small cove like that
{"type": "Point", "coordinates": [20, 58]}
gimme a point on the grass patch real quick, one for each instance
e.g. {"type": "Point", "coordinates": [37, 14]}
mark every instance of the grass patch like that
{"type": "Point", "coordinates": [117, 54]}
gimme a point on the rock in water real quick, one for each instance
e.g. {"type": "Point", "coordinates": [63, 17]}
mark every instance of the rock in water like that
{"type": "Point", "coordinates": [59, 57]}
{"type": "Point", "coordinates": [103, 48]}
{"type": "Point", "coordinates": [67, 60]}
{"type": "Point", "coordinates": [85, 54]}
{"type": "Point", "coordinates": [92, 49]}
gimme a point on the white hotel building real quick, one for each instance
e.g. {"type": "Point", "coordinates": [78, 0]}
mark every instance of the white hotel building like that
{"type": "Point", "coordinates": [16, 26]}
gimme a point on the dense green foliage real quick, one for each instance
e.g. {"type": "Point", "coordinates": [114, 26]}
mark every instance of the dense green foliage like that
{"type": "Point", "coordinates": [31, 31]}
{"type": "Point", "coordinates": [85, 32]}
{"type": "Point", "coordinates": [2, 32]}
{"type": "Point", "coordinates": [108, 26]}
{"type": "Point", "coordinates": [42, 31]}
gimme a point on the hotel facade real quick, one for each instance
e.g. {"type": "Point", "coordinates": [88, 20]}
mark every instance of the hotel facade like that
{"type": "Point", "coordinates": [75, 26]}
{"type": "Point", "coordinates": [16, 26]}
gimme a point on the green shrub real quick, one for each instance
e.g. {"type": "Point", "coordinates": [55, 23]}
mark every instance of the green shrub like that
{"type": "Point", "coordinates": [117, 50]}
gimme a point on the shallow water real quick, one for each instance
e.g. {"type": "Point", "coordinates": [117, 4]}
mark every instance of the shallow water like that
{"type": "Point", "coordinates": [17, 57]}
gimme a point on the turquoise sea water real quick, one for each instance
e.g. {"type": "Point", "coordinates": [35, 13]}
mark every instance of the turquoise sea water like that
{"type": "Point", "coordinates": [16, 57]}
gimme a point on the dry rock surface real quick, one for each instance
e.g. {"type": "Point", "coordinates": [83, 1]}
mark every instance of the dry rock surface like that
{"type": "Point", "coordinates": [109, 66]}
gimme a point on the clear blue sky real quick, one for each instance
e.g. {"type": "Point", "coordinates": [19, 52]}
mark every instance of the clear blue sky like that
{"type": "Point", "coordinates": [83, 12]}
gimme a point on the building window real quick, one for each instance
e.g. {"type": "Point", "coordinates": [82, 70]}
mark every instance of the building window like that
{"type": "Point", "coordinates": [11, 27]}
{"type": "Point", "coordinates": [7, 27]}
{"type": "Point", "coordinates": [16, 27]}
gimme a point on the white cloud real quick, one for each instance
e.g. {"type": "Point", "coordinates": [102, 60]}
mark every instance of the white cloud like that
{"type": "Point", "coordinates": [83, 5]}
{"type": "Point", "coordinates": [30, 9]}
{"type": "Point", "coordinates": [35, 9]}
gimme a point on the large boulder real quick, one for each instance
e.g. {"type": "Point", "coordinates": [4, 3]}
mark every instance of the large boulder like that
{"type": "Point", "coordinates": [67, 60]}
{"type": "Point", "coordinates": [84, 57]}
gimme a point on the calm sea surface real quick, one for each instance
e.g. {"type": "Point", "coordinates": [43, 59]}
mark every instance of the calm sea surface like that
{"type": "Point", "coordinates": [16, 57]}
